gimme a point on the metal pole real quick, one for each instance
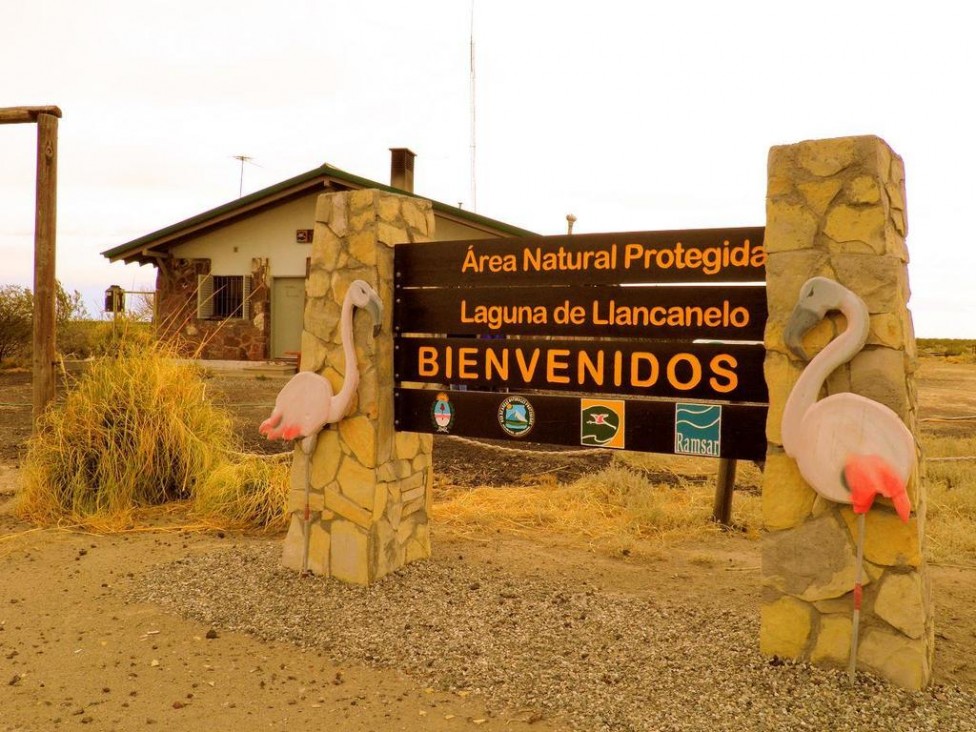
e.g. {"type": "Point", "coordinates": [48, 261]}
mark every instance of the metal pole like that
{"type": "Point", "coordinates": [722, 509]}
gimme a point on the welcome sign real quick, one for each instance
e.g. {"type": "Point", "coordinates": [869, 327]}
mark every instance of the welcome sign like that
{"type": "Point", "coordinates": [500, 329]}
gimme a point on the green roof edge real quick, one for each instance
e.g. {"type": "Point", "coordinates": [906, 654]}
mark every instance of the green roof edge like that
{"type": "Point", "coordinates": [323, 170]}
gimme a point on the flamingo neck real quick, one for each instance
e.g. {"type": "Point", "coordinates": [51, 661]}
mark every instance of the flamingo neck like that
{"type": "Point", "coordinates": [807, 388]}
{"type": "Point", "coordinates": [340, 402]}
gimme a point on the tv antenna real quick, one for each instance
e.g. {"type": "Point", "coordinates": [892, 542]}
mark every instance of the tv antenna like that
{"type": "Point", "coordinates": [474, 186]}
{"type": "Point", "coordinates": [243, 159]}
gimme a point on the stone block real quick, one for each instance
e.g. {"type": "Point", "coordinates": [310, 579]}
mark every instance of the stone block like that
{"type": "Point", "coordinates": [813, 561]}
{"type": "Point", "coordinates": [882, 282]}
{"type": "Point", "coordinates": [887, 541]}
{"type": "Point", "coordinates": [407, 445]}
{"type": "Point", "coordinates": [339, 218]}
{"type": "Point", "coordinates": [390, 234]}
{"type": "Point", "coordinates": [388, 209]}
{"type": "Point", "coordinates": [862, 229]}
{"type": "Point", "coordinates": [819, 194]}
{"type": "Point", "coordinates": [863, 189]}
{"type": "Point", "coordinates": [789, 226]}
{"type": "Point", "coordinates": [833, 644]}
{"type": "Point", "coordinates": [785, 627]}
{"type": "Point", "coordinates": [359, 434]}
{"type": "Point", "coordinates": [323, 208]}
{"type": "Point", "coordinates": [334, 501]}
{"type": "Point", "coordinates": [787, 500]}
{"type": "Point", "coordinates": [350, 557]}
{"type": "Point", "coordinates": [326, 247]}
{"type": "Point", "coordinates": [362, 247]}
{"type": "Point", "coordinates": [326, 458]}
{"type": "Point", "coordinates": [886, 330]}
{"type": "Point", "coordinates": [903, 661]}
{"type": "Point", "coordinates": [319, 544]}
{"type": "Point", "coordinates": [357, 483]}
{"type": "Point", "coordinates": [824, 158]}
{"type": "Point", "coordinates": [901, 604]}
{"type": "Point", "coordinates": [879, 374]}
{"type": "Point", "coordinates": [363, 199]}
{"type": "Point", "coordinates": [296, 501]}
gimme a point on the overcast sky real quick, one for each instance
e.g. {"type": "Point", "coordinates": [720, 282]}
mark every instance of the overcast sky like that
{"type": "Point", "coordinates": [631, 115]}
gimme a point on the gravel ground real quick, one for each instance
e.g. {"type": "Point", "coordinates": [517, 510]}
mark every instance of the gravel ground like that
{"type": "Point", "coordinates": [546, 647]}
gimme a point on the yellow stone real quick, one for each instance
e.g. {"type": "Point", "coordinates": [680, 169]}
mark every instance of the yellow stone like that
{"type": "Point", "coordinates": [864, 189]}
{"type": "Point", "coordinates": [900, 603]}
{"type": "Point", "coordinates": [325, 459]}
{"type": "Point", "coordinates": [833, 644]}
{"type": "Point", "coordinates": [334, 501]}
{"type": "Point", "coordinates": [787, 500]}
{"type": "Point", "coordinates": [350, 546]}
{"type": "Point", "coordinates": [887, 540]}
{"type": "Point", "coordinates": [362, 246]}
{"type": "Point", "coordinates": [789, 226]}
{"type": "Point", "coordinates": [357, 483]}
{"type": "Point", "coordinates": [318, 549]}
{"type": "Point", "coordinates": [339, 220]}
{"type": "Point", "coordinates": [849, 224]}
{"type": "Point", "coordinates": [785, 627]}
{"type": "Point", "coordinates": [826, 157]}
{"type": "Point", "coordinates": [389, 208]}
{"type": "Point", "coordinates": [903, 661]}
{"type": "Point", "coordinates": [359, 434]}
{"type": "Point", "coordinates": [296, 501]}
{"type": "Point", "coordinates": [886, 330]}
{"type": "Point", "coordinates": [415, 214]}
{"type": "Point", "coordinates": [358, 200]}
{"type": "Point", "coordinates": [390, 234]}
{"type": "Point", "coordinates": [407, 445]}
{"type": "Point", "coordinates": [313, 352]}
{"type": "Point", "coordinates": [317, 283]}
{"type": "Point", "coordinates": [820, 193]}
{"type": "Point", "coordinates": [323, 208]}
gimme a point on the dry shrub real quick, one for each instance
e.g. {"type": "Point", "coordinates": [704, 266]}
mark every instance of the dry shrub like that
{"type": "Point", "coordinates": [135, 430]}
{"type": "Point", "coordinates": [249, 493]}
{"type": "Point", "coordinates": [614, 509]}
{"type": "Point", "coordinates": [951, 493]}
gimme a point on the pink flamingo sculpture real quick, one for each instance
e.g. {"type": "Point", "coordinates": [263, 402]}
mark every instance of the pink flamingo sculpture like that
{"type": "Point", "coordinates": [847, 447]}
{"type": "Point", "coordinates": [306, 403]}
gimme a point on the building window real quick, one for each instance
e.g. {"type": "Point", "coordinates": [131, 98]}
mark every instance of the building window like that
{"type": "Point", "coordinates": [223, 296]}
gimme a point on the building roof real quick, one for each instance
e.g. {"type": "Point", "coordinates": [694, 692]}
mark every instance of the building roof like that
{"type": "Point", "coordinates": [147, 248]}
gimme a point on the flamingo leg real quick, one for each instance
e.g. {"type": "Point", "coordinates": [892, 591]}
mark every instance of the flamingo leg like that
{"type": "Point", "coordinates": [858, 595]}
{"type": "Point", "coordinates": [307, 446]}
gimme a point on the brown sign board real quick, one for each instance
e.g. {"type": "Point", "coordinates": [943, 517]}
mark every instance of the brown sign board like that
{"type": "Point", "coordinates": [718, 313]}
{"type": "Point", "coordinates": [650, 369]}
{"type": "Point", "coordinates": [728, 431]}
{"type": "Point", "coordinates": [645, 341]}
{"type": "Point", "coordinates": [688, 256]}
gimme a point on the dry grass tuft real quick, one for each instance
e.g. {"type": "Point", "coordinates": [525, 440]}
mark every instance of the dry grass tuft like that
{"type": "Point", "coordinates": [951, 493]}
{"type": "Point", "coordinates": [613, 510]}
{"type": "Point", "coordinates": [135, 430]}
{"type": "Point", "coordinates": [247, 494]}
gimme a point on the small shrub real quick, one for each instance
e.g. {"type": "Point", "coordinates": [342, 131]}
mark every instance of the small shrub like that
{"type": "Point", "coordinates": [135, 430]}
{"type": "Point", "coordinates": [250, 493]}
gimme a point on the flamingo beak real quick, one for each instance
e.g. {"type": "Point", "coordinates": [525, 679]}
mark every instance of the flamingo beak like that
{"type": "Point", "coordinates": [374, 306]}
{"type": "Point", "coordinates": [802, 319]}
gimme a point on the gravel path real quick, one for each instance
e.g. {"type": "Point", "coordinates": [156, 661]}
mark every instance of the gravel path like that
{"type": "Point", "coordinates": [546, 647]}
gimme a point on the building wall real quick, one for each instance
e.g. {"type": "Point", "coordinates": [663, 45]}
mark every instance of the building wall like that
{"type": "Point", "coordinates": [263, 246]}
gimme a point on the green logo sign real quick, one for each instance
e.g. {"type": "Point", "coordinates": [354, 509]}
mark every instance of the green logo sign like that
{"type": "Point", "coordinates": [602, 423]}
{"type": "Point", "coordinates": [698, 429]}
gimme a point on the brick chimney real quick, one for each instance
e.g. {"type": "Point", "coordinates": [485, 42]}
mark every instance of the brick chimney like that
{"type": "Point", "coordinates": [401, 168]}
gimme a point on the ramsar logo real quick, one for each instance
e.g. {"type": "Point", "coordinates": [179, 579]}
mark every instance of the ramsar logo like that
{"type": "Point", "coordinates": [698, 429]}
{"type": "Point", "coordinates": [602, 423]}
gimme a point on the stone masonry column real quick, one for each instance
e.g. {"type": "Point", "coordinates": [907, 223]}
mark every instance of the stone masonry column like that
{"type": "Point", "coordinates": [837, 208]}
{"type": "Point", "coordinates": [370, 486]}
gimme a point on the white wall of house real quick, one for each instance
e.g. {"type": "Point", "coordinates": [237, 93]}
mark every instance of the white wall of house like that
{"type": "Point", "coordinates": [271, 234]}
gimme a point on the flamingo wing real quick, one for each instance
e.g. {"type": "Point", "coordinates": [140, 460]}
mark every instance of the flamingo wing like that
{"type": "Point", "coordinates": [301, 408]}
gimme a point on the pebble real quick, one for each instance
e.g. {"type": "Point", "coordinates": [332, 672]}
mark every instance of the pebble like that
{"type": "Point", "coordinates": [598, 662]}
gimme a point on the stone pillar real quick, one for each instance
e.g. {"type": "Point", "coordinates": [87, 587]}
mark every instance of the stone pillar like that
{"type": "Point", "coordinates": [837, 208]}
{"type": "Point", "coordinates": [370, 486]}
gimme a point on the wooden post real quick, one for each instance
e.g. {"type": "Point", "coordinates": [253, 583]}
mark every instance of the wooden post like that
{"type": "Point", "coordinates": [45, 225]}
{"type": "Point", "coordinates": [45, 285]}
{"type": "Point", "coordinates": [722, 510]}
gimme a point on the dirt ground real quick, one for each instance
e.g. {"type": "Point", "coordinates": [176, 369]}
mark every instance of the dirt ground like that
{"type": "Point", "coordinates": [74, 651]}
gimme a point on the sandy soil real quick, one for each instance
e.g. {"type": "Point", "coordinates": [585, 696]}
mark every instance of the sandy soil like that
{"type": "Point", "coordinates": [73, 651]}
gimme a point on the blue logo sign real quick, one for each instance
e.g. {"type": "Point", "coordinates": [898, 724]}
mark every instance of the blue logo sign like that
{"type": "Point", "coordinates": [698, 429]}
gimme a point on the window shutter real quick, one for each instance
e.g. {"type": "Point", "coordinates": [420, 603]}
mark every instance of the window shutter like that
{"type": "Point", "coordinates": [204, 296]}
{"type": "Point", "coordinates": [246, 305]}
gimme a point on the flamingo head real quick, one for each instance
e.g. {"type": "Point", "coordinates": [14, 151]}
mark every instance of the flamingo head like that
{"type": "Point", "coordinates": [818, 296]}
{"type": "Point", "coordinates": [364, 296]}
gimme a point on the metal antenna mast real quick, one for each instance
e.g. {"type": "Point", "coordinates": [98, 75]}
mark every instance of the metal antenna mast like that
{"type": "Point", "coordinates": [243, 159]}
{"type": "Point", "coordinates": [474, 185]}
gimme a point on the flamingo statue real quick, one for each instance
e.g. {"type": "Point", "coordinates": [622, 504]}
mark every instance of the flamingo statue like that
{"type": "Point", "coordinates": [306, 403]}
{"type": "Point", "coordinates": [847, 447]}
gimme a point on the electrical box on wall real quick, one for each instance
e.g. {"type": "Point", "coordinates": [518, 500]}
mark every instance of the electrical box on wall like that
{"type": "Point", "coordinates": [303, 236]}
